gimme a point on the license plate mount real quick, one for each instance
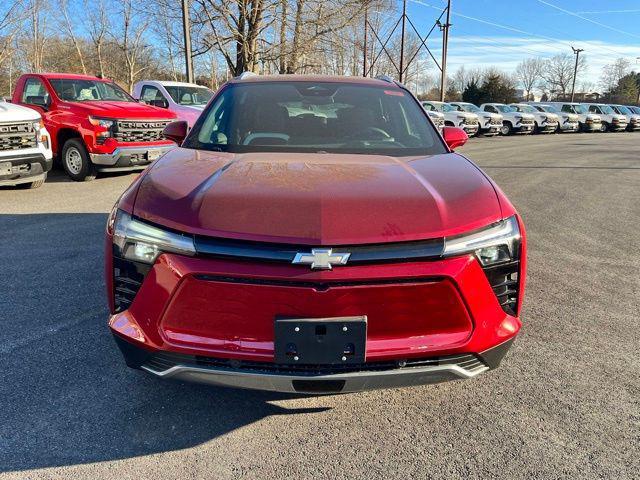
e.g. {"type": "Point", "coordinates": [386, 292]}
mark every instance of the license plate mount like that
{"type": "Point", "coordinates": [154, 155]}
{"type": "Point", "coordinates": [320, 341]}
{"type": "Point", "coordinates": [5, 168]}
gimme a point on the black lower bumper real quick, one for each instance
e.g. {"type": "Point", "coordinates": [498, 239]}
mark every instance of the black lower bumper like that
{"type": "Point", "coordinates": [312, 379]}
{"type": "Point", "coordinates": [25, 168]}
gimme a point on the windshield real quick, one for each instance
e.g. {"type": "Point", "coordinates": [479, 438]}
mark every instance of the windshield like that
{"type": "Point", "coordinates": [607, 109]}
{"type": "Point", "coordinates": [469, 107]}
{"type": "Point", "coordinates": [434, 107]}
{"type": "Point", "coordinates": [635, 110]}
{"type": "Point", "coordinates": [624, 110]}
{"type": "Point", "coordinates": [505, 108]}
{"type": "Point", "coordinates": [582, 109]}
{"type": "Point", "coordinates": [315, 117]}
{"type": "Point", "coordinates": [549, 108]}
{"type": "Point", "coordinates": [526, 109]}
{"type": "Point", "coordinates": [448, 108]}
{"type": "Point", "coordinates": [189, 95]}
{"type": "Point", "coordinates": [72, 90]}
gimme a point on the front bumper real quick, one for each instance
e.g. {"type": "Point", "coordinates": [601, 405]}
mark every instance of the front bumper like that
{"type": "Point", "coordinates": [591, 126]}
{"type": "Point", "coordinates": [470, 128]}
{"type": "Point", "coordinates": [632, 127]}
{"type": "Point", "coordinates": [315, 380]}
{"type": "Point", "coordinates": [570, 126]}
{"type": "Point", "coordinates": [548, 127]}
{"type": "Point", "coordinates": [524, 128]}
{"type": "Point", "coordinates": [129, 158]}
{"type": "Point", "coordinates": [25, 168]}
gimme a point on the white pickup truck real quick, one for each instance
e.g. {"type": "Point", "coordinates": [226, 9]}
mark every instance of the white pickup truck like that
{"type": "Point", "coordinates": [633, 119]}
{"type": "Point", "coordinates": [611, 121]}
{"type": "Point", "coordinates": [544, 122]}
{"type": "Point", "coordinates": [568, 122]}
{"type": "Point", "coordinates": [589, 122]}
{"type": "Point", "coordinates": [25, 147]}
{"type": "Point", "coordinates": [469, 122]}
{"type": "Point", "coordinates": [490, 123]}
{"type": "Point", "coordinates": [437, 118]}
{"type": "Point", "coordinates": [513, 120]}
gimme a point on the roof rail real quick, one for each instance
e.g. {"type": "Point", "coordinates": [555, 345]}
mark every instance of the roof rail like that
{"type": "Point", "coordinates": [385, 78]}
{"type": "Point", "coordinates": [247, 74]}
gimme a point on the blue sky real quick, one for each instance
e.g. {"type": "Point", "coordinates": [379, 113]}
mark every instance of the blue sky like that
{"type": "Point", "coordinates": [503, 32]}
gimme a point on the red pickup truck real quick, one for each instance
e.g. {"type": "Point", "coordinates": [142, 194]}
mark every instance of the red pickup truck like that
{"type": "Point", "coordinates": [94, 124]}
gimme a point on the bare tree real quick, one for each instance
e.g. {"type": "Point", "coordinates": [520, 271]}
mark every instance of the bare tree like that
{"type": "Point", "coordinates": [98, 26]}
{"type": "Point", "coordinates": [132, 42]}
{"type": "Point", "coordinates": [558, 72]}
{"type": "Point", "coordinates": [68, 27]}
{"type": "Point", "coordinates": [612, 73]}
{"type": "Point", "coordinates": [11, 17]}
{"type": "Point", "coordinates": [529, 73]}
{"type": "Point", "coordinates": [36, 33]}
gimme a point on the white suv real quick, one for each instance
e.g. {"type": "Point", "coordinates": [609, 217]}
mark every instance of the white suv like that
{"type": "Point", "coordinates": [490, 123]}
{"type": "Point", "coordinates": [611, 121]}
{"type": "Point", "coordinates": [513, 121]}
{"type": "Point", "coordinates": [633, 119]}
{"type": "Point", "coordinates": [569, 122]}
{"type": "Point", "coordinates": [544, 122]}
{"type": "Point", "coordinates": [469, 122]}
{"type": "Point", "coordinates": [25, 147]}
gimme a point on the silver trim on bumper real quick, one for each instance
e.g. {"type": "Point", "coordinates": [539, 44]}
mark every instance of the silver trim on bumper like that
{"type": "Point", "coordinates": [21, 180]}
{"type": "Point", "coordinates": [108, 159]}
{"type": "Point", "coordinates": [353, 382]}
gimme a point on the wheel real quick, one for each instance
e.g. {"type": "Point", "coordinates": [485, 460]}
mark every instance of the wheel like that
{"type": "Point", "coordinates": [536, 129]}
{"type": "Point", "coordinates": [506, 128]}
{"type": "Point", "coordinates": [604, 127]}
{"type": "Point", "coordinates": [76, 162]}
{"type": "Point", "coordinates": [31, 185]}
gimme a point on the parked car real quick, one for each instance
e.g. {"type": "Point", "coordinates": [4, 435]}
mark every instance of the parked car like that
{"type": "Point", "coordinates": [589, 122]}
{"type": "Point", "coordinates": [544, 122]}
{"type": "Point", "coordinates": [469, 122]}
{"type": "Point", "coordinates": [338, 247]}
{"type": "Point", "coordinates": [437, 118]}
{"type": "Point", "coordinates": [633, 119]}
{"type": "Point", "coordinates": [25, 147]}
{"type": "Point", "coordinates": [611, 121]}
{"type": "Point", "coordinates": [567, 122]}
{"type": "Point", "coordinates": [186, 100]}
{"type": "Point", "coordinates": [490, 123]}
{"type": "Point", "coordinates": [513, 121]}
{"type": "Point", "coordinates": [94, 124]}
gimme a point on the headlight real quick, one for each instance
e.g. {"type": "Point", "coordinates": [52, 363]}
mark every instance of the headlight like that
{"type": "Point", "coordinates": [37, 125]}
{"type": "Point", "coordinates": [498, 243]}
{"type": "Point", "coordinates": [101, 122]}
{"type": "Point", "coordinates": [141, 242]}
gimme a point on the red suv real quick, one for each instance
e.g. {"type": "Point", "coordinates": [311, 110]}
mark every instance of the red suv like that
{"type": "Point", "coordinates": [314, 235]}
{"type": "Point", "coordinates": [94, 124]}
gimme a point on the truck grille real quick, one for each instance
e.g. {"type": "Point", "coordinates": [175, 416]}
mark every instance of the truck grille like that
{"type": "Point", "coordinates": [139, 130]}
{"type": "Point", "coordinates": [526, 121]}
{"type": "Point", "coordinates": [15, 136]}
{"type": "Point", "coordinates": [495, 121]}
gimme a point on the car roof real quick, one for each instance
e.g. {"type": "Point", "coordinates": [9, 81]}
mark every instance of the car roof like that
{"type": "Point", "coordinates": [72, 76]}
{"type": "Point", "coordinates": [354, 80]}
{"type": "Point", "coordinates": [168, 83]}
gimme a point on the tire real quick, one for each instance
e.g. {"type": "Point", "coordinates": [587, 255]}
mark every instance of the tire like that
{"type": "Point", "coordinates": [31, 185]}
{"type": "Point", "coordinates": [536, 129]}
{"type": "Point", "coordinates": [76, 161]}
{"type": "Point", "coordinates": [506, 128]}
{"type": "Point", "coordinates": [604, 127]}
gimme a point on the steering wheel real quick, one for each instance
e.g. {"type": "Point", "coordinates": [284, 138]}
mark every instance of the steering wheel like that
{"type": "Point", "coordinates": [366, 134]}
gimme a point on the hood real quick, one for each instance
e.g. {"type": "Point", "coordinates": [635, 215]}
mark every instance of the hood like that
{"type": "Point", "coordinates": [121, 109]}
{"type": "Point", "coordinates": [316, 199]}
{"type": "Point", "coordinates": [468, 115]}
{"type": "Point", "coordinates": [10, 112]}
{"type": "Point", "coordinates": [492, 116]}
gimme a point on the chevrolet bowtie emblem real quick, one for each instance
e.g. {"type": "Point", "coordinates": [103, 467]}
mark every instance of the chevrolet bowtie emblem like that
{"type": "Point", "coordinates": [321, 258]}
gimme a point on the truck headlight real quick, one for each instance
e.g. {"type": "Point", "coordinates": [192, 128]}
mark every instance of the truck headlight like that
{"type": "Point", "coordinates": [498, 243]}
{"type": "Point", "coordinates": [141, 242]}
{"type": "Point", "coordinates": [101, 122]}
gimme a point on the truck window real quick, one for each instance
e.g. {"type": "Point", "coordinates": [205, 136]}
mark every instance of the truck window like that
{"type": "Point", "coordinates": [491, 108]}
{"type": "Point", "coordinates": [594, 109]}
{"type": "Point", "coordinates": [34, 92]}
{"type": "Point", "coordinates": [567, 108]}
{"type": "Point", "coordinates": [149, 93]}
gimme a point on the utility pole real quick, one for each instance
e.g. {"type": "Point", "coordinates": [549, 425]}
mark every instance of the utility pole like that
{"type": "Point", "coordinates": [576, 52]}
{"type": "Point", "coordinates": [445, 45]}
{"type": "Point", "coordinates": [638, 83]}
{"type": "Point", "coordinates": [187, 41]}
{"type": "Point", "coordinates": [404, 17]}
{"type": "Point", "coordinates": [365, 46]}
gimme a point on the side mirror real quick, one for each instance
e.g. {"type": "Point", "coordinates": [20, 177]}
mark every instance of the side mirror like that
{"type": "Point", "coordinates": [176, 131]}
{"type": "Point", "coordinates": [159, 103]}
{"type": "Point", "coordinates": [454, 137]}
{"type": "Point", "coordinates": [38, 101]}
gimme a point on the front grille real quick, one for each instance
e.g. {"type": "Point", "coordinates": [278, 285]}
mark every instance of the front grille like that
{"type": "Point", "coordinates": [15, 136]}
{"type": "Point", "coordinates": [139, 130]}
{"type": "Point", "coordinates": [471, 121]}
{"type": "Point", "coordinates": [162, 361]}
{"type": "Point", "coordinates": [127, 280]}
{"type": "Point", "coordinates": [495, 121]}
{"type": "Point", "coordinates": [526, 121]}
{"type": "Point", "coordinates": [504, 282]}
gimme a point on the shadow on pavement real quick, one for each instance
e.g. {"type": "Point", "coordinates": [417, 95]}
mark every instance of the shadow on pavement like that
{"type": "Point", "coordinates": [66, 396]}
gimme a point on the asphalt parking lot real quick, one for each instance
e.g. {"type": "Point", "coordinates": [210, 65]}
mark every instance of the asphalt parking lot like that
{"type": "Point", "coordinates": [564, 404]}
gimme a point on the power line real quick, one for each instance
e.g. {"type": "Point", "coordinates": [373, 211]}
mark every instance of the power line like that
{"type": "Point", "coordinates": [588, 19]}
